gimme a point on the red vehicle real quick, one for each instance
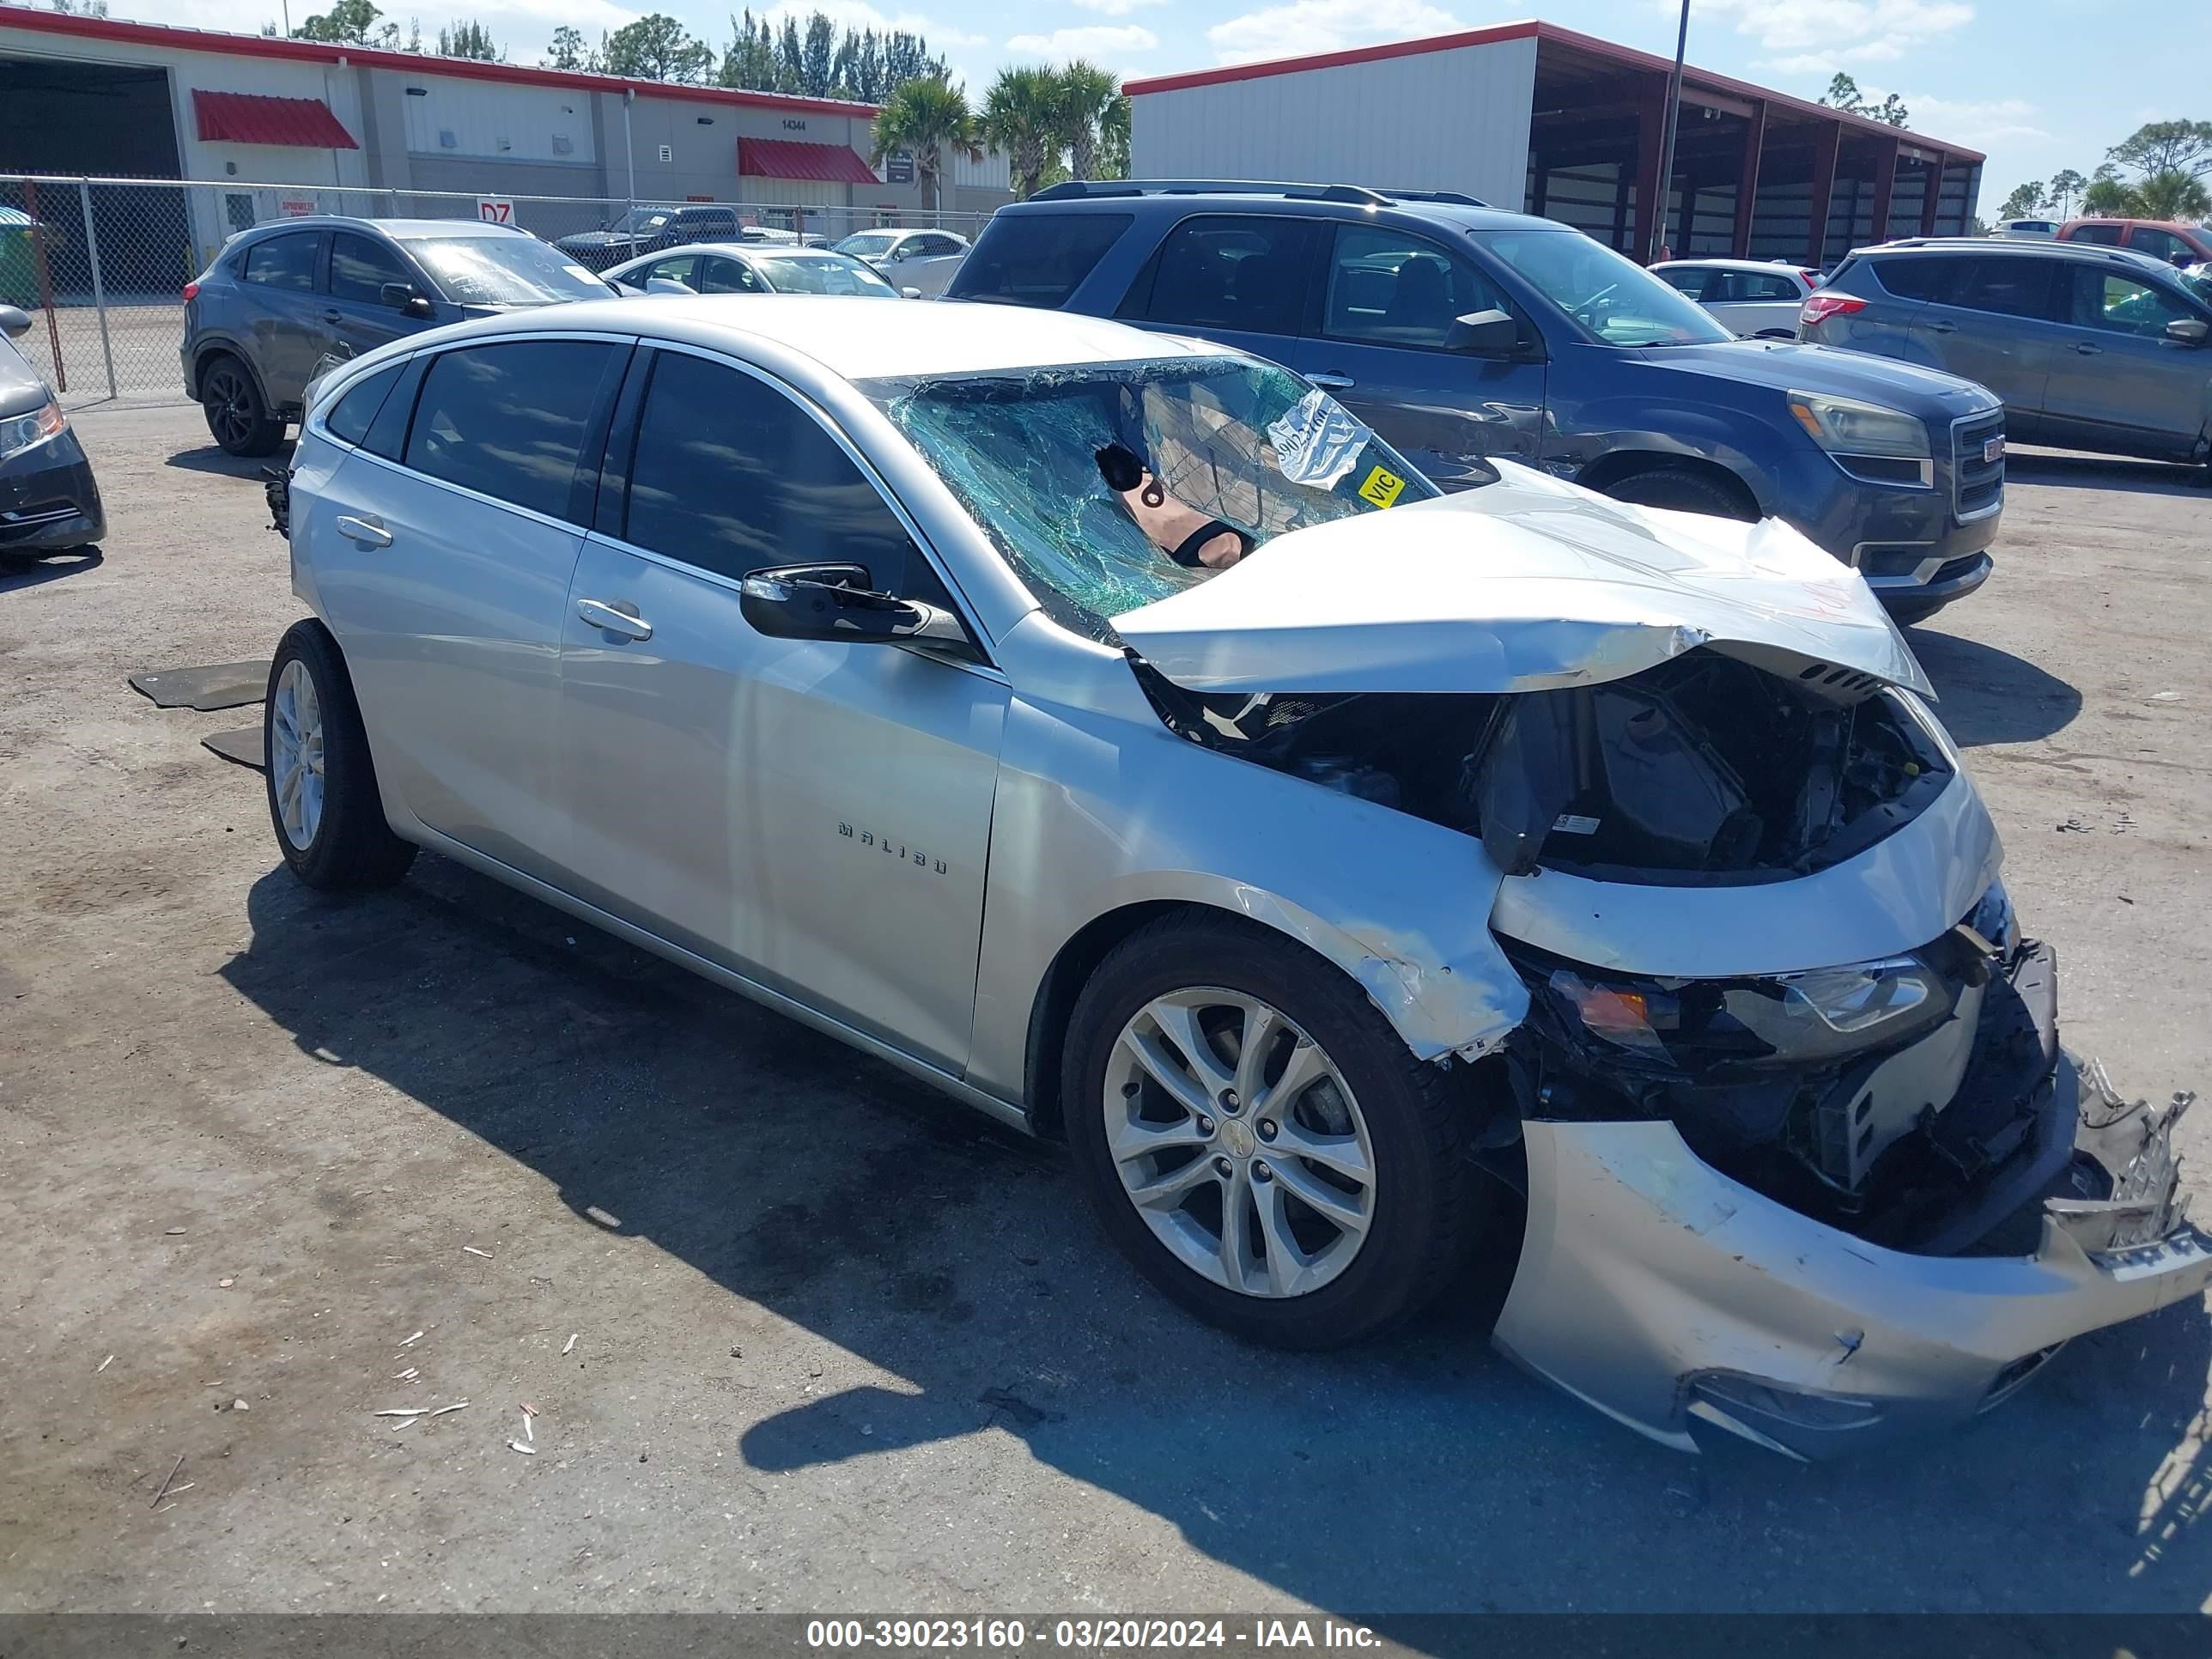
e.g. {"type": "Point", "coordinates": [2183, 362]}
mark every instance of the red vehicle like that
{"type": "Point", "coordinates": [2161, 239]}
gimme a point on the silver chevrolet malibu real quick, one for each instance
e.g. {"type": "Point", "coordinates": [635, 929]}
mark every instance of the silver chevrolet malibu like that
{"type": "Point", "coordinates": [1112, 732]}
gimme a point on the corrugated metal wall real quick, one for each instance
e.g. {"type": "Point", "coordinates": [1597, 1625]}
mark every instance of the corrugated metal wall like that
{"type": "Point", "coordinates": [1352, 125]}
{"type": "Point", "coordinates": [485, 119]}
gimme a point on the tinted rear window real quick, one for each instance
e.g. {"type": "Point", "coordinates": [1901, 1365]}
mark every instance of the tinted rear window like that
{"type": "Point", "coordinates": [1036, 259]}
{"type": "Point", "coordinates": [287, 262]}
{"type": "Point", "coordinates": [1923, 275]}
{"type": "Point", "coordinates": [509, 420]}
{"type": "Point", "coordinates": [2103, 235]}
{"type": "Point", "coordinates": [351, 418]}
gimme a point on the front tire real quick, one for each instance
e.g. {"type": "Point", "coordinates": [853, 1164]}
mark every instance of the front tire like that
{"type": "Point", "coordinates": [1676, 490]}
{"type": "Point", "coordinates": [1259, 1142]}
{"type": "Point", "coordinates": [237, 417]}
{"type": "Point", "coordinates": [321, 781]}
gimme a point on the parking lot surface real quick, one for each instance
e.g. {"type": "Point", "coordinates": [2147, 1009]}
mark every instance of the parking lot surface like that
{"type": "Point", "coordinates": [274, 1162]}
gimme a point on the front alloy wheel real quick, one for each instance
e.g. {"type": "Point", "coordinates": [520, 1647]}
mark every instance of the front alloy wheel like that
{"type": "Point", "coordinates": [1257, 1138]}
{"type": "Point", "coordinates": [1239, 1143]}
{"type": "Point", "coordinates": [295, 754]}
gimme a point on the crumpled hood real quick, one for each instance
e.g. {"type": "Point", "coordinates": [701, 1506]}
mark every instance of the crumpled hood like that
{"type": "Point", "coordinates": [1524, 585]}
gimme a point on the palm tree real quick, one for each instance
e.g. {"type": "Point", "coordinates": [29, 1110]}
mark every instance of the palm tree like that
{"type": "Point", "coordinates": [1022, 117]}
{"type": "Point", "coordinates": [926, 118]}
{"type": "Point", "coordinates": [1114, 140]}
{"type": "Point", "coordinates": [1088, 96]}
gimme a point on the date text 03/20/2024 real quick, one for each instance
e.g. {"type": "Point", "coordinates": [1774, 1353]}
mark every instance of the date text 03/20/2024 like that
{"type": "Point", "coordinates": [1084, 1634]}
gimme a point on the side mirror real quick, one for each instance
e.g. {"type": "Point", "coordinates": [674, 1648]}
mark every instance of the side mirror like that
{"type": "Point", "coordinates": [835, 602]}
{"type": "Point", "coordinates": [2188, 330]}
{"type": "Point", "coordinates": [14, 320]}
{"type": "Point", "coordinates": [1484, 334]}
{"type": "Point", "coordinates": [403, 299]}
{"type": "Point", "coordinates": [666, 285]}
{"type": "Point", "coordinates": [910, 294]}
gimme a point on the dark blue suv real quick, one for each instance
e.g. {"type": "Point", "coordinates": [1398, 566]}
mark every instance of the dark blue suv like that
{"type": "Point", "coordinates": [1460, 332]}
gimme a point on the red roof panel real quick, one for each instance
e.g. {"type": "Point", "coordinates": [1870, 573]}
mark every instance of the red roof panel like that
{"type": "Point", "coordinates": [789, 158]}
{"type": "Point", "coordinates": [244, 117]}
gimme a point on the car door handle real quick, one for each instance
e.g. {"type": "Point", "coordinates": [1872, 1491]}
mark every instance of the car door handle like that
{"type": "Point", "coordinates": [1333, 382]}
{"type": "Point", "coordinates": [608, 614]}
{"type": "Point", "coordinates": [1942, 328]}
{"type": "Point", "coordinates": [367, 532]}
{"type": "Point", "coordinates": [2088, 351]}
{"type": "Point", "coordinates": [333, 317]}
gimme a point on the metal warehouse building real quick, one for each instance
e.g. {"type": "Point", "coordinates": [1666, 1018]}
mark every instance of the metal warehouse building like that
{"type": "Point", "coordinates": [83, 95]}
{"type": "Point", "coordinates": [1531, 116]}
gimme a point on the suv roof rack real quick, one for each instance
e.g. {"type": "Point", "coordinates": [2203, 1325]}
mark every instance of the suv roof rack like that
{"type": "Point", "coordinates": [2013, 245]}
{"type": "Point", "coordinates": [1357, 195]}
{"type": "Point", "coordinates": [1446, 197]}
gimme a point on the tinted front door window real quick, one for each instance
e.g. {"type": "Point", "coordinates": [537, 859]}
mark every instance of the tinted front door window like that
{"type": "Point", "coordinates": [731, 478]}
{"type": "Point", "coordinates": [509, 420]}
{"type": "Point", "coordinates": [360, 268]}
{"type": "Point", "coordinates": [1388, 288]}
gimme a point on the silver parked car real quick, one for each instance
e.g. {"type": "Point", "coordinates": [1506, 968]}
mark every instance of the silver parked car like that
{"type": "Point", "coordinates": [753, 268]}
{"type": "Point", "coordinates": [922, 259]}
{"type": "Point", "coordinates": [1755, 299]}
{"type": "Point", "coordinates": [1112, 732]}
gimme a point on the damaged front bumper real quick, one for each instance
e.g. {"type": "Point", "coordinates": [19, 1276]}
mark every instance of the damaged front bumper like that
{"type": "Point", "coordinates": [1682, 1302]}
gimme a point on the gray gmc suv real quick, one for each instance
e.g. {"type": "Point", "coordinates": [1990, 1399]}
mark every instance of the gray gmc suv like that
{"type": "Point", "coordinates": [1460, 332]}
{"type": "Point", "coordinates": [2090, 347]}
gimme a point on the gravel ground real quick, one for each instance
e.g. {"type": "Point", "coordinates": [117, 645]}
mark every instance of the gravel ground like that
{"type": "Point", "coordinates": [839, 1345]}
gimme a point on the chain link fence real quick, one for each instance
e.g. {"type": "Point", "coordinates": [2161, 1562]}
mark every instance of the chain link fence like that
{"type": "Point", "coordinates": [100, 264]}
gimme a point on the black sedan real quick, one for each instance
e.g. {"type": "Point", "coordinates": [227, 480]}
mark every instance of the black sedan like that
{"type": "Point", "coordinates": [48, 502]}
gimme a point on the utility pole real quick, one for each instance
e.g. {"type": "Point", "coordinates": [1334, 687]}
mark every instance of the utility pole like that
{"type": "Point", "coordinates": [1667, 143]}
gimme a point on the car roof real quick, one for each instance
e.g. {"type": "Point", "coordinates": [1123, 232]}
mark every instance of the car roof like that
{"type": "Point", "coordinates": [2038, 247]}
{"type": "Point", "coordinates": [403, 229]}
{"type": "Point", "coordinates": [1176, 198]}
{"type": "Point", "coordinates": [1764, 267]}
{"type": "Point", "coordinates": [861, 343]}
{"type": "Point", "coordinates": [2146, 224]}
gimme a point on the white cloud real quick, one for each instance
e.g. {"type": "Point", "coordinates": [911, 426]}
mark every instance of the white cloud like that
{"type": "Point", "coordinates": [859, 15]}
{"type": "Point", "coordinates": [1117, 8]}
{"type": "Point", "coordinates": [1983, 125]}
{"type": "Point", "coordinates": [1309, 26]}
{"type": "Point", "coordinates": [1818, 38]}
{"type": "Point", "coordinates": [1091, 41]}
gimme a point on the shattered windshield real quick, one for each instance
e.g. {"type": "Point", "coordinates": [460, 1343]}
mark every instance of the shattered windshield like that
{"type": "Point", "coordinates": [1109, 486]}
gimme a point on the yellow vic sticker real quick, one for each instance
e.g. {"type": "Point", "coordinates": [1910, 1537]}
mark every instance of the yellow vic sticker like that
{"type": "Point", "coordinates": [1381, 488]}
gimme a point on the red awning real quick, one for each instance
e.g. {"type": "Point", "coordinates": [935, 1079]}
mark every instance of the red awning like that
{"type": "Point", "coordinates": [244, 117]}
{"type": "Point", "coordinates": [788, 158]}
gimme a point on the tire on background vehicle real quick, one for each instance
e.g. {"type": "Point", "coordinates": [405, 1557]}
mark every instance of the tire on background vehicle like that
{"type": "Point", "coordinates": [1426, 1196]}
{"type": "Point", "coordinates": [352, 846]}
{"type": "Point", "coordinates": [1676, 489]}
{"type": "Point", "coordinates": [238, 417]}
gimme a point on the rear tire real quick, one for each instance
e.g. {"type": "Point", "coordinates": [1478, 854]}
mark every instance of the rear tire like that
{"type": "Point", "coordinates": [1343, 1158]}
{"type": "Point", "coordinates": [238, 417]}
{"type": "Point", "coordinates": [321, 781]}
{"type": "Point", "coordinates": [1673, 489]}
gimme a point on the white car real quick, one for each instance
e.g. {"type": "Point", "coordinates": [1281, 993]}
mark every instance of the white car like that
{"type": "Point", "coordinates": [1755, 299]}
{"type": "Point", "coordinates": [1112, 732]}
{"type": "Point", "coordinates": [924, 260]}
{"type": "Point", "coordinates": [2026, 230]}
{"type": "Point", "coordinates": [754, 268]}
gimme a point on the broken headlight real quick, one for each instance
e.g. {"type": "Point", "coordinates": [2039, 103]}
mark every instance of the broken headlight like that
{"type": "Point", "coordinates": [1805, 1018]}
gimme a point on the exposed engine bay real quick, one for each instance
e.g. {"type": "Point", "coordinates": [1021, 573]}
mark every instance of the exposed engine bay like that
{"type": "Point", "coordinates": [1876, 1097]}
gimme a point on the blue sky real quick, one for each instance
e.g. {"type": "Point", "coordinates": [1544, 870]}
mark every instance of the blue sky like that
{"type": "Point", "coordinates": [2038, 84]}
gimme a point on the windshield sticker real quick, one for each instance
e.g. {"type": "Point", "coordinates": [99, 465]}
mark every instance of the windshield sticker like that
{"type": "Point", "coordinates": [1382, 487]}
{"type": "Point", "coordinates": [580, 273]}
{"type": "Point", "coordinates": [1317, 442]}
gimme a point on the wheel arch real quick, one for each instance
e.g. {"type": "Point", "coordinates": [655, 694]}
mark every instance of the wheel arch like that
{"type": "Point", "coordinates": [207, 351]}
{"type": "Point", "coordinates": [1620, 464]}
{"type": "Point", "coordinates": [1436, 1011]}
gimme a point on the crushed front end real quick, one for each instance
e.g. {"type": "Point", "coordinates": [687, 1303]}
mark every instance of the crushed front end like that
{"type": "Point", "coordinates": [1805, 1161]}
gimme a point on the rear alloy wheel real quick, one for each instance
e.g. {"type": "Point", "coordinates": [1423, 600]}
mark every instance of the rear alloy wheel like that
{"type": "Point", "coordinates": [1675, 489]}
{"type": "Point", "coordinates": [323, 798]}
{"type": "Point", "coordinates": [237, 417]}
{"type": "Point", "coordinates": [1259, 1140]}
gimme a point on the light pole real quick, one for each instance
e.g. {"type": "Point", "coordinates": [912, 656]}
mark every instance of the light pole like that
{"type": "Point", "coordinates": [1667, 143]}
